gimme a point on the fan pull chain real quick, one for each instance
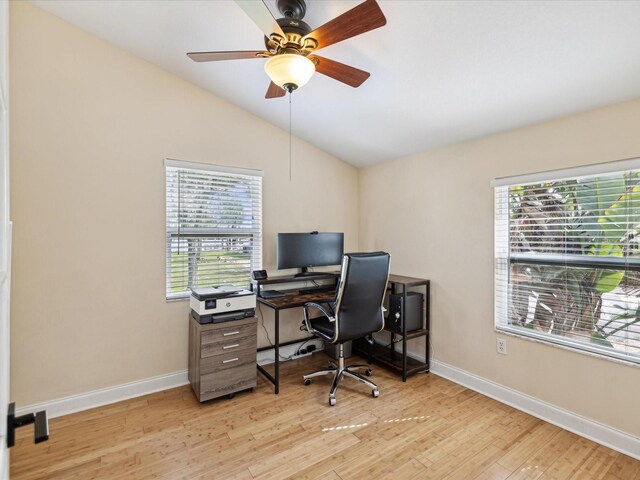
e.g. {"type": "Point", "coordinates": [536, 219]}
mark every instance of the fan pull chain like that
{"type": "Point", "coordinates": [290, 136]}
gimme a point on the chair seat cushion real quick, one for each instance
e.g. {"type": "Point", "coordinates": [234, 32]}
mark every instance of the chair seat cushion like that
{"type": "Point", "coordinates": [323, 325]}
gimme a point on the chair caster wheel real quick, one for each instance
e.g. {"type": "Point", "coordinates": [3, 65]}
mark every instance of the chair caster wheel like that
{"type": "Point", "coordinates": [375, 393]}
{"type": "Point", "coordinates": [368, 372]}
{"type": "Point", "coordinates": [332, 402]}
{"type": "Point", "coordinates": [231, 395]}
{"type": "Point", "coordinates": [307, 381]}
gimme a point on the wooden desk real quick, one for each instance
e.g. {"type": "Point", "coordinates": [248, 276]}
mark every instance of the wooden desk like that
{"type": "Point", "coordinates": [256, 285]}
{"type": "Point", "coordinates": [292, 299]}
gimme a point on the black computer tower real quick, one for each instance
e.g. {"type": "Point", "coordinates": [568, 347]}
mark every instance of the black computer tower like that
{"type": "Point", "coordinates": [413, 312]}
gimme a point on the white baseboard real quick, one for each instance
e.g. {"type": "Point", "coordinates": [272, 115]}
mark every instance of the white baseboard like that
{"type": "Point", "coordinates": [609, 437]}
{"type": "Point", "coordinates": [105, 396]}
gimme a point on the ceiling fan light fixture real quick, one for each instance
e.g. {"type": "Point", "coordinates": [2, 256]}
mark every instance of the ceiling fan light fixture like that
{"type": "Point", "coordinates": [289, 71]}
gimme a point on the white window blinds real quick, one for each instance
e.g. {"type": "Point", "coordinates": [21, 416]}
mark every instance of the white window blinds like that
{"type": "Point", "coordinates": [567, 253]}
{"type": "Point", "coordinates": [213, 226]}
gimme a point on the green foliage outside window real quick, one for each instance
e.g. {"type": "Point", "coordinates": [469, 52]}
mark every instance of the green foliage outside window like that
{"type": "Point", "coordinates": [558, 234]}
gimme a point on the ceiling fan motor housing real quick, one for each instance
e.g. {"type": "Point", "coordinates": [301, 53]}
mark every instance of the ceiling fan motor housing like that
{"type": "Point", "coordinates": [294, 25]}
{"type": "Point", "coordinates": [294, 29]}
{"type": "Point", "coordinates": [292, 8]}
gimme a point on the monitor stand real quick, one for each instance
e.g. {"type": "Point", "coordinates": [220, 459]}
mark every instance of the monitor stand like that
{"type": "Point", "coordinates": [306, 273]}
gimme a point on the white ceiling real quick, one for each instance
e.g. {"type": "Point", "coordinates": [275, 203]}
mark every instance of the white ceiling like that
{"type": "Point", "coordinates": [441, 72]}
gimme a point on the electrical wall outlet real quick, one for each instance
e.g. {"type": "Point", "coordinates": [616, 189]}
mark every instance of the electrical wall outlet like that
{"type": "Point", "coordinates": [501, 345]}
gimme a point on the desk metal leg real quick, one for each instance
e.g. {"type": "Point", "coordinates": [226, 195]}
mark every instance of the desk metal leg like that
{"type": "Point", "coordinates": [274, 379]}
{"type": "Point", "coordinates": [427, 326]}
{"type": "Point", "coordinates": [277, 351]}
{"type": "Point", "coordinates": [392, 345]}
{"type": "Point", "coordinates": [404, 333]}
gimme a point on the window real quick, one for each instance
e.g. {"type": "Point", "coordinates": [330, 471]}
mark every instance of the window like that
{"type": "Point", "coordinates": [567, 258]}
{"type": "Point", "coordinates": [214, 226]}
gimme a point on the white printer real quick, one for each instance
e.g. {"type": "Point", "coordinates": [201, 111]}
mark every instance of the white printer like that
{"type": "Point", "coordinates": [222, 304]}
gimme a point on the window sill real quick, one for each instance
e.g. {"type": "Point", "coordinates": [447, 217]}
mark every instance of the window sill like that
{"type": "Point", "coordinates": [177, 299]}
{"type": "Point", "coordinates": [567, 345]}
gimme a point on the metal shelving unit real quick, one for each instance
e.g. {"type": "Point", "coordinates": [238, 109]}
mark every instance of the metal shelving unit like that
{"type": "Point", "coordinates": [386, 355]}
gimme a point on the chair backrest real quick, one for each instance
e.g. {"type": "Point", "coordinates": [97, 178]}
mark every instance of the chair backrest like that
{"type": "Point", "coordinates": [360, 295]}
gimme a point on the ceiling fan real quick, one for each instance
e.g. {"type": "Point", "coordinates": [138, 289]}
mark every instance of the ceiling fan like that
{"type": "Point", "coordinates": [291, 44]}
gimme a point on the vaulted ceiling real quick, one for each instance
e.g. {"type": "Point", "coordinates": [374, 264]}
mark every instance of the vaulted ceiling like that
{"type": "Point", "coordinates": [441, 72]}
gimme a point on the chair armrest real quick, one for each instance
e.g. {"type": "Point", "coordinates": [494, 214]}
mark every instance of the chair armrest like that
{"type": "Point", "coordinates": [327, 312]}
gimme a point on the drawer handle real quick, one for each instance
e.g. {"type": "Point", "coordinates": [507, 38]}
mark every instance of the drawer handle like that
{"type": "Point", "coordinates": [231, 346]}
{"type": "Point", "coordinates": [230, 333]}
{"type": "Point", "coordinates": [231, 360]}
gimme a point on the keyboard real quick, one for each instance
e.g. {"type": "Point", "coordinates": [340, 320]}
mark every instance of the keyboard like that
{"type": "Point", "coordinates": [320, 289]}
{"type": "Point", "coordinates": [271, 294]}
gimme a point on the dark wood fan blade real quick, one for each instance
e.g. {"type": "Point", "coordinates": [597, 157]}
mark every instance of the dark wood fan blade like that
{"type": "Point", "coordinates": [366, 16]}
{"type": "Point", "coordinates": [339, 71]}
{"type": "Point", "coordinates": [261, 16]}
{"type": "Point", "coordinates": [217, 56]}
{"type": "Point", "coordinates": [274, 91]}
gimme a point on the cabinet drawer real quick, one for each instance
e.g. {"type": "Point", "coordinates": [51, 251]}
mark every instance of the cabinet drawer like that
{"type": "Point", "coordinates": [231, 380]}
{"type": "Point", "coordinates": [228, 360]}
{"type": "Point", "coordinates": [246, 338]}
{"type": "Point", "coordinates": [229, 332]}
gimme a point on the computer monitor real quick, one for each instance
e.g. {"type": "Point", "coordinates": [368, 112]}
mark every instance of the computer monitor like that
{"type": "Point", "coordinates": [303, 250]}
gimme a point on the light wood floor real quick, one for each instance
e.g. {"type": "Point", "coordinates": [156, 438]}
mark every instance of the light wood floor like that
{"type": "Point", "coordinates": [426, 428]}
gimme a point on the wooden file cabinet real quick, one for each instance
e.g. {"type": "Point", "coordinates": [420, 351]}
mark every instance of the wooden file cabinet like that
{"type": "Point", "coordinates": [222, 357]}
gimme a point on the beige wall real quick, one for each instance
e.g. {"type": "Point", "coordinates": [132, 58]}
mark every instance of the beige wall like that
{"type": "Point", "coordinates": [434, 213]}
{"type": "Point", "coordinates": [90, 127]}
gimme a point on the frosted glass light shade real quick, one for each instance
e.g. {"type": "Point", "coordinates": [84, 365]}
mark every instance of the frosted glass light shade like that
{"type": "Point", "coordinates": [289, 68]}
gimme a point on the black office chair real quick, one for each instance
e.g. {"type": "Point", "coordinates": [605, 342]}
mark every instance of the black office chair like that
{"type": "Point", "coordinates": [356, 312]}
